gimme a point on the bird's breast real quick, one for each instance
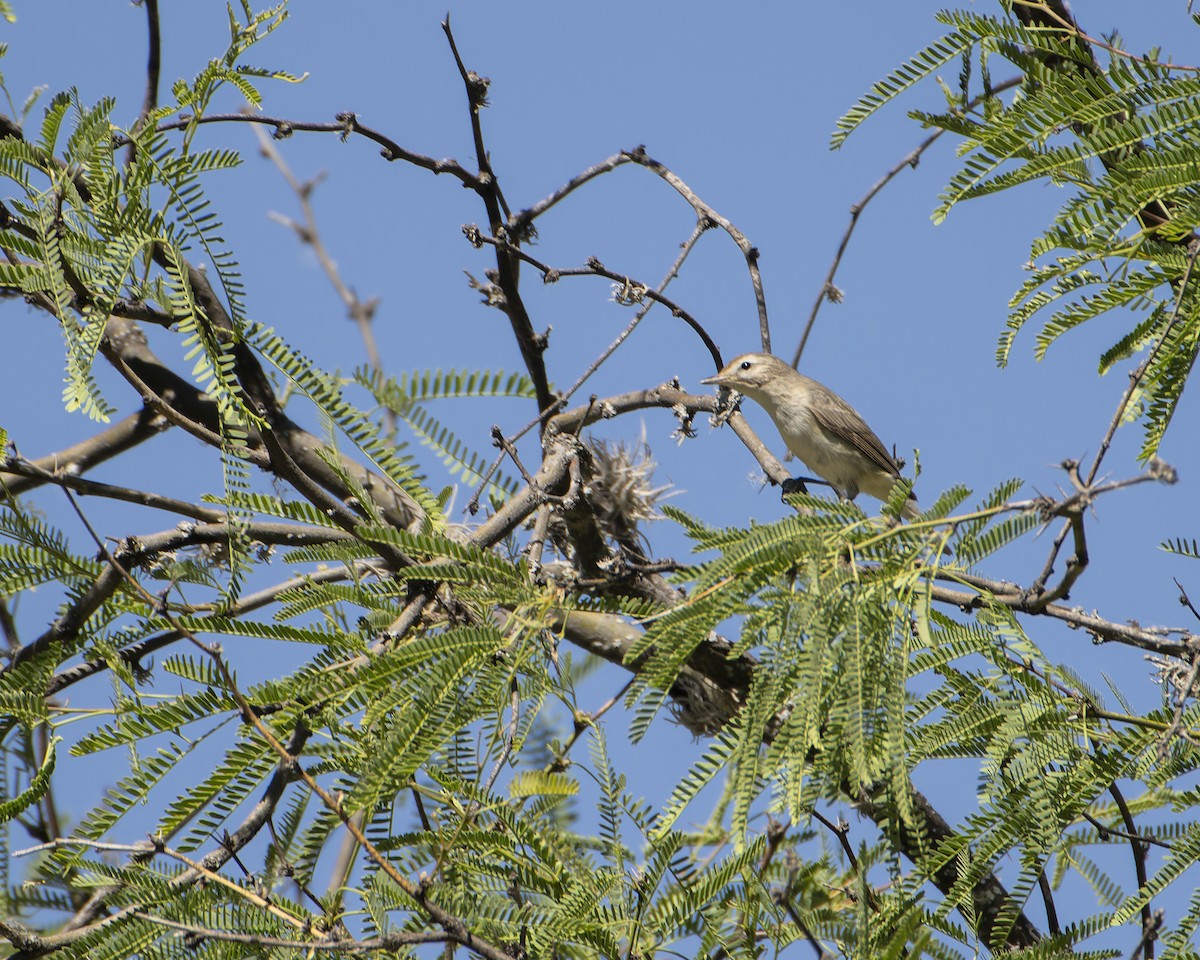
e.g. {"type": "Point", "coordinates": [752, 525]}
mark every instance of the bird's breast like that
{"type": "Point", "coordinates": [833, 460]}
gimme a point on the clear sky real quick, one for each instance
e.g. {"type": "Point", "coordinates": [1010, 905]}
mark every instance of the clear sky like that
{"type": "Point", "coordinates": [739, 100]}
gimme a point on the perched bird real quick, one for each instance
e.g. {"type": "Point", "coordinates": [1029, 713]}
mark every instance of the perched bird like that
{"type": "Point", "coordinates": [818, 426]}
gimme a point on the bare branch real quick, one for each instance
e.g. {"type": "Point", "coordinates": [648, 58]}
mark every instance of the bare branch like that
{"type": "Point", "coordinates": [121, 436]}
{"type": "Point", "coordinates": [360, 312]}
{"type": "Point", "coordinates": [828, 291]}
{"type": "Point", "coordinates": [344, 124]}
{"type": "Point", "coordinates": [1135, 378]}
{"type": "Point", "coordinates": [23, 468]}
{"type": "Point", "coordinates": [153, 68]}
{"type": "Point", "coordinates": [518, 223]}
{"type": "Point", "coordinates": [705, 212]}
{"type": "Point", "coordinates": [636, 289]}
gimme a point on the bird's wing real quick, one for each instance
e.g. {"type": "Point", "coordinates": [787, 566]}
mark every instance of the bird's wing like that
{"type": "Point", "coordinates": [841, 419]}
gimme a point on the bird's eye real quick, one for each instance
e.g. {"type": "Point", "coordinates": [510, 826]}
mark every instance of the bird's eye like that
{"type": "Point", "coordinates": [746, 364]}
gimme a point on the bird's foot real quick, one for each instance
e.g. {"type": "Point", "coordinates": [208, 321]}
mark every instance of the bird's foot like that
{"type": "Point", "coordinates": [792, 485]}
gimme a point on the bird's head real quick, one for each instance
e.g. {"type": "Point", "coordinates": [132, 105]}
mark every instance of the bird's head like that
{"type": "Point", "coordinates": [752, 373]}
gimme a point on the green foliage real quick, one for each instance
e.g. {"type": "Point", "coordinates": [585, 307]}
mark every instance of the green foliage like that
{"type": "Point", "coordinates": [855, 669]}
{"type": "Point", "coordinates": [323, 390]}
{"type": "Point", "coordinates": [1185, 548]}
{"type": "Point", "coordinates": [1125, 142]}
{"type": "Point", "coordinates": [37, 787]}
{"type": "Point", "coordinates": [415, 716]}
{"type": "Point", "coordinates": [195, 96]}
{"type": "Point", "coordinates": [406, 396]}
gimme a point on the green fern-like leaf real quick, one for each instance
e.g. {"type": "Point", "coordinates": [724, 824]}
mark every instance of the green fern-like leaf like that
{"type": "Point", "coordinates": [915, 69]}
{"type": "Point", "coordinates": [326, 394]}
{"type": "Point", "coordinates": [39, 784]}
{"type": "Point", "coordinates": [1185, 548]}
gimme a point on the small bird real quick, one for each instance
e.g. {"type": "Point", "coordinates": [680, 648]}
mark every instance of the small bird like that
{"type": "Point", "coordinates": [818, 426]}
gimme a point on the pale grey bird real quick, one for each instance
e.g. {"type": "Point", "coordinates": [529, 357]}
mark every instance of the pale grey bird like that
{"type": "Point", "coordinates": [818, 426]}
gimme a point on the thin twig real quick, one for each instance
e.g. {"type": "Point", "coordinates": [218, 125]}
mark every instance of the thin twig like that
{"type": "Point", "coordinates": [562, 398]}
{"type": "Point", "coordinates": [153, 69]}
{"type": "Point", "coordinates": [1071, 29]}
{"type": "Point", "coordinates": [841, 830]}
{"type": "Point", "coordinates": [387, 943]}
{"type": "Point", "coordinates": [510, 740]}
{"type": "Point", "coordinates": [1183, 691]}
{"type": "Point", "coordinates": [344, 124]}
{"type": "Point", "coordinates": [508, 275]}
{"type": "Point", "coordinates": [1135, 379]}
{"type": "Point", "coordinates": [93, 488]}
{"type": "Point", "coordinates": [827, 291]}
{"type": "Point", "coordinates": [135, 653]}
{"type": "Point", "coordinates": [360, 311]}
{"type": "Point", "coordinates": [595, 268]}
{"type": "Point", "coordinates": [197, 867]}
{"type": "Point", "coordinates": [78, 459]}
{"type": "Point", "coordinates": [1104, 830]}
{"type": "Point", "coordinates": [519, 222]}
{"type": "Point", "coordinates": [1150, 930]}
{"type": "Point", "coordinates": [705, 212]}
{"type": "Point", "coordinates": [1048, 904]}
{"type": "Point", "coordinates": [584, 721]}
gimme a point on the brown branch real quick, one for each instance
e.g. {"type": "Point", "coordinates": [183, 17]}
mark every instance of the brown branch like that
{"type": "Point", "coordinates": [828, 291]}
{"type": "Point", "coordinates": [29, 471]}
{"type": "Point", "coordinates": [841, 830]}
{"type": "Point", "coordinates": [67, 625]}
{"type": "Point", "coordinates": [1048, 904]}
{"type": "Point", "coordinates": [344, 124]}
{"type": "Point", "coordinates": [125, 347]}
{"type": "Point", "coordinates": [361, 312]}
{"type": "Point", "coordinates": [1149, 935]}
{"type": "Point", "coordinates": [1078, 561]}
{"type": "Point", "coordinates": [635, 290]}
{"type": "Point", "coordinates": [1135, 378]}
{"type": "Point", "coordinates": [531, 345]}
{"type": "Point", "coordinates": [1139, 850]}
{"type": "Point", "coordinates": [518, 223]}
{"type": "Point", "coordinates": [669, 395]}
{"type": "Point", "coordinates": [389, 942]}
{"type": "Point", "coordinates": [1058, 13]}
{"type": "Point", "coordinates": [124, 435]}
{"type": "Point", "coordinates": [134, 654]}
{"type": "Point", "coordinates": [562, 398]}
{"type": "Point", "coordinates": [1018, 600]}
{"type": "Point", "coordinates": [705, 212]}
{"type": "Point", "coordinates": [560, 454]}
{"type": "Point", "coordinates": [1104, 831]}
{"type": "Point", "coordinates": [186, 406]}
{"type": "Point", "coordinates": [137, 550]}
{"type": "Point", "coordinates": [153, 69]}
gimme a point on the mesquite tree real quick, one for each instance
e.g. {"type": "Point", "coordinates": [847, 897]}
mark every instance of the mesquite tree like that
{"type": "Point", "coordinates": [414, 770]}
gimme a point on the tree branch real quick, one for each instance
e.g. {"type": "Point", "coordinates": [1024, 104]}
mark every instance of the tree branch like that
{"type": "Point", "coordinates": [121, 436]}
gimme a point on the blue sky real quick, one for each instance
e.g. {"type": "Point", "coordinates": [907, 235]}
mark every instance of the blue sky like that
{"type": "Point", "coordinates": [739, 102]}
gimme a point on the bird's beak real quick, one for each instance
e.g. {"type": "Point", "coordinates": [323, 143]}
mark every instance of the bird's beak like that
{"type": "Point", "coordinates": [715, 379]}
